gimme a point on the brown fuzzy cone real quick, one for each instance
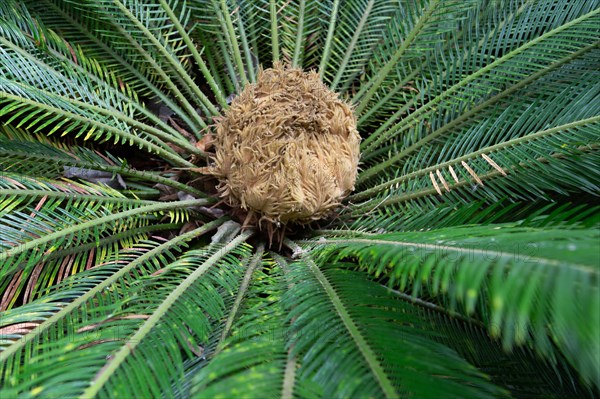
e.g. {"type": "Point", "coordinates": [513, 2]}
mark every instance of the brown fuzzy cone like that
{"type": "Point", "coordinates": [287, 149]}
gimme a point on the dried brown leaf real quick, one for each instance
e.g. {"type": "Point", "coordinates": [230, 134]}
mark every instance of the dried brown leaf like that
{"type": "Point", "coordinates": [19, 328]}
{"type": "Point", "coordinates": [205, 143]}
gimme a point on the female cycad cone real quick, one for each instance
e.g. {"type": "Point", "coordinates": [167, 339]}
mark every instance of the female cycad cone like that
{"type": "Point", "coordinates": [287, 149]}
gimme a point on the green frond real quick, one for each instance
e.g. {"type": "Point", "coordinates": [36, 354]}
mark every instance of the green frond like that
{"type": "Point", "coordinates": [250, 358]}
{"type": "Point", "coordinates": [421, 28]}
{"type": "Point", "coordinates": [465, 263]}
{"type": "Point", "coordinates": [371, 322]}
{"type": "Point", "coordinates": [151, 36]}
{"type": "Point", "coordinates": [299, 23]}
{"type": "Point", "coordinates": [256, 362]}
{"type": "Point", "coordinates": [358, 29]}
{"type": "Point", "coordinates": [41, 216]}
{"type": "Point", "coordinates": [133, 67]}
{"type": "Point", "coordinates": [568, 41]}
{"type": "Point", "coordinates": [62, 98]}
{"type": "Point", "coordinates": [518, 280]}
{"type": "Point", "coordinates": [24, 153]}
{"type": "Point", "coordinates": [57, 228]}
{"type": "Point", "coordinates": [529, 150]}
{"type": "Point", "coordinates": [149, 299]}
{"type": "Point", "coordinates": [533, 166]}
{"type": "Point", "coordinates": [521, 369]}
{"type": "Point", "coordinates": [537, 213]}
{"type": "Point", "coordinates": [61, 295]}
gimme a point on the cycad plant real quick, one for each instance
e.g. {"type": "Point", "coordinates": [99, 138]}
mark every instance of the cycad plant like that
{"type": "Point", "coordinates": [465, 264]}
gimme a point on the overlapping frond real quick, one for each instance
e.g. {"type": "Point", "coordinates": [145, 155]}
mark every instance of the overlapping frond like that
{"type": "Point", "coordinates": [357, 29]}
{"type": "Point", "coordinates": [250, 357]}
{"type": "Point", "coordinates": [299, 27]}
{"type": "Point", "coordinates": [518, 280]}
{"type": "Point", "coordinates": [52, 228]}
{"type": "Point", "coordinates": [124, 59]}
{"type": "Point", "coordinates": [414, 36]}
{"type": "Point", "coordinates": [349, 311]}
{"type": "Point", "coordinates": [474, 53]}
{"type": "Point", "coordinates": [494, 80]}
{"type": "Point", "coordinates": [539, 145]}
{"type": "Point", "coordinates": [149, 30]}
{"type": "Point", "coordinates": [480, 125]}
{"type": "Point", "coordinates": [38, 155]}
{"type": "Point", "coordinates": [257, 360]}
{"type": "Point", "coordinates": [56, 95]}
{"type": "Point", "coordinates": [533, 166]}
{"type": "Point", "coordinates": [153, 306]}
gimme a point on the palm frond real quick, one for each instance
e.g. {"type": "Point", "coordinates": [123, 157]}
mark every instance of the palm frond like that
{"type": "Point", "coordinates": [320, 295]}
{"type": "Point", "coordinates": [565, 41]}
{"type": "Point", "coordinates": [421, 28]}
{"type": "Point", "coordinates": [250, 356]}
{"type": "Point", "coordinates": [126, 63]}
{"type": "Point", "coordinates": [41, 216]}
{"type": "Point", "coordinates": [525, 154]}
{"type": "Point", "coordinates": [298, 23]}
{"type": "Point", "coordinates": [358, 28]}
{"type": "Point", "coordinates": [464, 265]}
{"type": "Point", "coordinates": [60, 96]}
{"type": "Point", "coordinates": [23, 153]}
{"type": "Point", "coordinates": [518, 280]}
{"type": "Point", "coordinates": [152, 288]}
{"type": "Point", "coordinates": [534, 171]}
{"type": "Point", "coordinates": [152, 34]}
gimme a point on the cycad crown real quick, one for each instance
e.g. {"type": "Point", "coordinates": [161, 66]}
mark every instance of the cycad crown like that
{"type": "Point", "coordinates": [465, 264]}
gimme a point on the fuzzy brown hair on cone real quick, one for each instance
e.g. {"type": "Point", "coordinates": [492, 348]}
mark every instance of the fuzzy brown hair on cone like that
{"type": "Point", "coordinates": [287, 149]}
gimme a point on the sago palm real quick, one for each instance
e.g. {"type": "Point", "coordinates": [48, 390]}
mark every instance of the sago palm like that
{"type": "Point", "coordinates": [464, 264]}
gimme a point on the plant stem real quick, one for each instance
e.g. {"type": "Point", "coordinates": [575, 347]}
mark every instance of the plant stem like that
{"type": "Point", "coordinates": [256, 260]}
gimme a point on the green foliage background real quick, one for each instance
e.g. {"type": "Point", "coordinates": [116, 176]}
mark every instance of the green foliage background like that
{"type": "Point", "coordinates": [466, 263]}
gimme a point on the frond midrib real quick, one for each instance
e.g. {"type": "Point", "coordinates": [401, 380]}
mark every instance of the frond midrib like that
{"type": "Point", "coordinates": [80, 301]}
{"type": "Point", "coordinates": [118, 358]}
{"type": "Point", "coordinates": [369, 355]}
